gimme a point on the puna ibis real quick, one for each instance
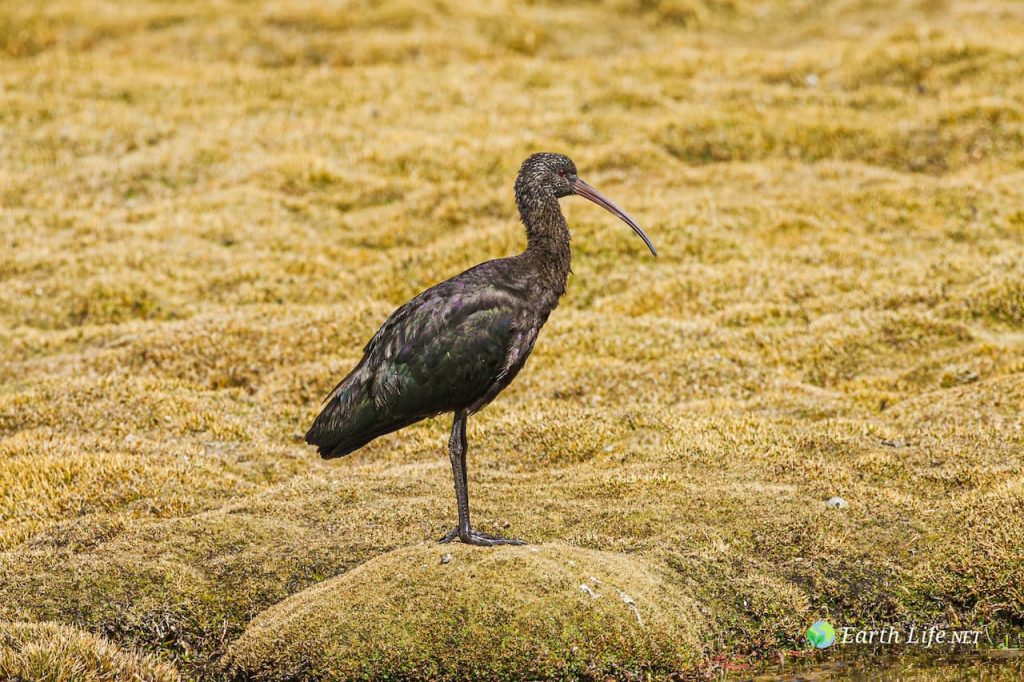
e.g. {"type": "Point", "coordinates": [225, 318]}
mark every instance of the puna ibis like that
{"type": "Point", "coordinates": [457, 345]}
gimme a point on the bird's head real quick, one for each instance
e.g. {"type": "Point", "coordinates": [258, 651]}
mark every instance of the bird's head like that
{"type": "Point", "coordinates": [547, 175]}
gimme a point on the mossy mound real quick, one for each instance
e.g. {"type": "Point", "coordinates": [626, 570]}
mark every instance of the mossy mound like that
{"type": "Point", "coordinates": [445, 612]}
{"type": "Point", "coordinates": [978, 564]}
{"type": "Point", "coordinates": [57, 653]}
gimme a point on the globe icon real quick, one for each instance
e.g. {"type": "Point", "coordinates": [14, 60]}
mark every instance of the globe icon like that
{"type": "Point", "coordinates": [821, 634]}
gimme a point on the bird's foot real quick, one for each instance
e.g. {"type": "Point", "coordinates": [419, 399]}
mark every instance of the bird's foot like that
{"type": "Point", "coordinates": [473, 537]}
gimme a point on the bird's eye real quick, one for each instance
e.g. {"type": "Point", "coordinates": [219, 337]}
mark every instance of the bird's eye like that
{"type": "Point", "coordinates": [562, 173]}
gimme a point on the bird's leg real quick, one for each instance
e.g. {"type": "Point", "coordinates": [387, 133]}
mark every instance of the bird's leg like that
{"type": "Point", "coordinates": [457, 452]}
{"type": "Point", "coordinates": [457, 447]}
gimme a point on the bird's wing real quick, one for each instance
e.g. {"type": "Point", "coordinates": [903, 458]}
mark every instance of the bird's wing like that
{"type": "Point", "coordinates": [443, 349]}
{"type": "Point", "coordinates": [519, 349]}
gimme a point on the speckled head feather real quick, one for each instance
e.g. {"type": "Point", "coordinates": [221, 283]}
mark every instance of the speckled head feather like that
{"type": "Point", "coordinates": [542, 180]}
{"type": "Point", "coordinates": [545, 175]}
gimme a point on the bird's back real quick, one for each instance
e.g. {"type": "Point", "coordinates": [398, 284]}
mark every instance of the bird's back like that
{"type": "Point", "coordinates": [453, 347]}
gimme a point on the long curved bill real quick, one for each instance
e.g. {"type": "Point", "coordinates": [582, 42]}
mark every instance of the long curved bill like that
{"type": "Point", "coordinates": [586, 191]}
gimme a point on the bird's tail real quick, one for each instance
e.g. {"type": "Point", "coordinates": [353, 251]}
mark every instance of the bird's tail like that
{"type": "Point", "coordinates": [350, 420]}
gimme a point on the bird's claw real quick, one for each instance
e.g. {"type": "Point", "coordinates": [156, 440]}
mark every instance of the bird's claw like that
{"type": "Point", "coordinates": [473, 537]}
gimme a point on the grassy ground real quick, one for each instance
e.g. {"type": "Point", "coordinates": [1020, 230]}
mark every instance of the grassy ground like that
{"type": "Point", "coordinates": [208, 207]}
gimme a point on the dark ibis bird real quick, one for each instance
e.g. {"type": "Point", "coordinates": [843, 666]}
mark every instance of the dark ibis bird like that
{"type": "Point", "coordinates": [457, 345]}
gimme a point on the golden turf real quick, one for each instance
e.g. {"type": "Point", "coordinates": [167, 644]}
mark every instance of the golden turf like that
{"type": "Point", "coordinates": [207, 208]}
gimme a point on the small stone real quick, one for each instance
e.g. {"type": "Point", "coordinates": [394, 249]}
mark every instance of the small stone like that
{"type": "Point", "coordinates": [632, 607]}
{"type": "Point", "coordinates": [131, 439]}
{"type": "Point", "coordinates": [586, 588]}
{"type": "Point", "coordinates": [894, 442]}
{"type": "Point", "coordinates": [446, 559]}
{"type": "Point", "coordinates": [968, 376]}
{"type": "Point", "coordinates": [836, 502]}
{"type": "Point", "coordinates": [811, 80]}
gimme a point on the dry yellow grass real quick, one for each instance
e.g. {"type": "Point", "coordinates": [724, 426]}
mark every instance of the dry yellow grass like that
{"type": "Point", "coordinates": [48, 652]}
{"type": "Point", "coordinates": [207, 208]}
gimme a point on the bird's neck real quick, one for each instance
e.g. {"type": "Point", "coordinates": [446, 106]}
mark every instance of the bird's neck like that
{"type": "Point", "coordinates": [547, 245]}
